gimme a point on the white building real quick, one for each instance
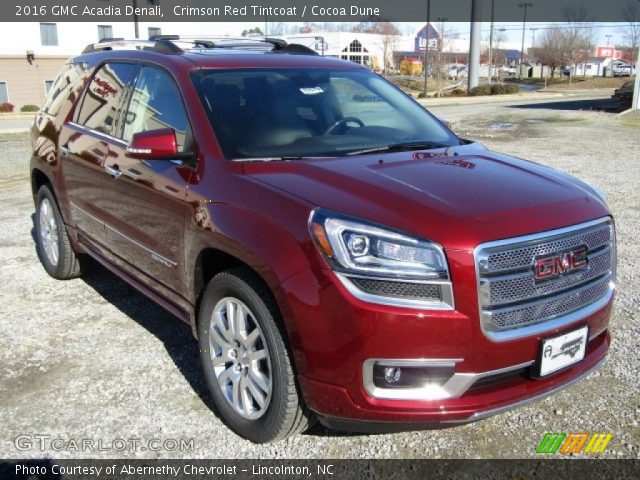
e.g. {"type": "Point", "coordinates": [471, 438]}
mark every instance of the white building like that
{"type": "Point", "coordinates": [363, 48]}
{"type": "Point", "coordinates": [32, 53]}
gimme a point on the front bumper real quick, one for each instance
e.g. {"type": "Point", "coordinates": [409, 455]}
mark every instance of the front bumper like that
{"type": "Point", "coordinates": [333, 334]}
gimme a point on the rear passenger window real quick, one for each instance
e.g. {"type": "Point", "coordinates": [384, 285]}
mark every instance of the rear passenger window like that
{"type": "Point", "coordinates": [104, 97]}
{"type": "Point", "coordinates": [156, 103]}
{"type": "Point", "coordinates": [62, 88]}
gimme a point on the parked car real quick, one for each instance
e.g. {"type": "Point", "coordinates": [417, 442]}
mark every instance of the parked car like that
{"type": "Point", "coordinates": [349, 261]}
{"type": "Point", "coordinates": [622, 70]}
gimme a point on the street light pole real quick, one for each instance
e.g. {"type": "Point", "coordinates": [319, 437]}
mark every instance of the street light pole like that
{"type": "Point", "coordinates": [490, 73]}
{"type": "Point", "coordinates": [524, 25]}
{"type": "Point", "coordinates": [426, 49]}
{"type": "Point", "coordinates": [608, 38]}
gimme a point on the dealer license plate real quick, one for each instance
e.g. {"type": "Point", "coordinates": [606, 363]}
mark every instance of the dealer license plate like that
{"type": "Point", "coordinates": [564, 350]}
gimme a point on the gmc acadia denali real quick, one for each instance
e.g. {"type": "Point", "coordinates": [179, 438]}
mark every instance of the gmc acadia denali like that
{"type": "Point", "coordinates": [339, 253]}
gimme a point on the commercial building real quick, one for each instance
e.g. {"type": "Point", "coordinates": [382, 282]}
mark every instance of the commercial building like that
{"type": "Point", "coordinates": [32, 53]}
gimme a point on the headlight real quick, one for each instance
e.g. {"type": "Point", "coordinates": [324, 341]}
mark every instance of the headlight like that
{"type": "Point", "coordinates": [381, 265]}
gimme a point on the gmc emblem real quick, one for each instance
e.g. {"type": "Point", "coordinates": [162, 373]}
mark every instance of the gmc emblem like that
{"type": "Point", "coordinates": [546, 268]}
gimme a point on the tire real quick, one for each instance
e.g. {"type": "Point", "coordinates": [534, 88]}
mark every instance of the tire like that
{"type": "Point", "coordinates": [282, 412]}
{"type": "Point", "coordinates": [52, 241]}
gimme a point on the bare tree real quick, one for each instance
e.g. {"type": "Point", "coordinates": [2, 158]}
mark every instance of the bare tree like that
{"type": "Point", "coordinates": [550, 50]}
{"type": "Point", "coordinates": [578, 39]}
{"type": "Point", "coordinates": [389, 34]}
{"type": "Point", "coordinates": [631, 31]}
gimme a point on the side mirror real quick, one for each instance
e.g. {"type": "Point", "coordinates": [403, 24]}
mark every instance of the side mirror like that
{"type": "Point", "coordinates": [153, 145]}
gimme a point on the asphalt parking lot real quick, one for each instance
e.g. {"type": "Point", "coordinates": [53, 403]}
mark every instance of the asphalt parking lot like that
{"type": "Point", "coordinates": [94, 359]}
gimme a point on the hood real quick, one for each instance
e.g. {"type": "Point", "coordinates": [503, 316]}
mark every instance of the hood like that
{"type": "Point", "coordinates": [459, 198]}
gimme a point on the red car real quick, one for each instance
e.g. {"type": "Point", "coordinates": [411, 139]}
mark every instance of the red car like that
{"type": "Point", "coordinates": [339, 253]}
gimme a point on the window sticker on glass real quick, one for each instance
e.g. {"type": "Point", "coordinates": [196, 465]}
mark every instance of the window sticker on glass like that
{"type": "Point", "coordinates": [311, 90]}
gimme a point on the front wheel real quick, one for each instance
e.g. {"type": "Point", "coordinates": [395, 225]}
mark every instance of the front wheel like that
{"type": "Point", "coordinates": [52, 241]}
{"type": "Point", "coordinates": [245, 360]}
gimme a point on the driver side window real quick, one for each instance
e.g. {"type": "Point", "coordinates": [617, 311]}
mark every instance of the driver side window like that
{"type": "Point", "coordinates": [156, 103]}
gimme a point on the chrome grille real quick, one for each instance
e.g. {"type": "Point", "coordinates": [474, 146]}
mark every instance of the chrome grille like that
{"type": "Point", "coordinates": [513, 304]}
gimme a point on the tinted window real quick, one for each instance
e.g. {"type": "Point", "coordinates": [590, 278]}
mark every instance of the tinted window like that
{"type": "Point", "coordinates": [156, 103]}
{"type": "Point", "coordinates": [60, 90]}
{"type": "Point", "coordinates": [4, 92]}
{"type": "Point", "coordinates": [258, 113]}
{"type": "Point", "coordinates": [105, 31]}
{"type": "Point", "coordinates": [104, 96]}
{"type": "Point", "coordinates": [49, 34]}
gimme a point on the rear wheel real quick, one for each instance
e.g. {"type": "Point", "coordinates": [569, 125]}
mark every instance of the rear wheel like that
{"type": "Point", "coordinates": [245, 360]}
{"type": "Point", "coordinates": [52, 241]}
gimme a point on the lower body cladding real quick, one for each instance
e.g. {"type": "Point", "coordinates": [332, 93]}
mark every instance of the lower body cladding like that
{"type": "Point", "coordinates": [370, 367]}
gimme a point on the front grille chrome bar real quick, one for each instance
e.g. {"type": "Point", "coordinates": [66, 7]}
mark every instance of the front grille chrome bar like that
{"type": "Point", "coordinates": [512, 304]}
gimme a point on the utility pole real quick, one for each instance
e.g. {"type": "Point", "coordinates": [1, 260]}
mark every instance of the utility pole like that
{"type": "Point", "coordinates": [440, 62]}
{"type": "Point", "coordinates": [426, 49]}
{"type": "Point", "coordinates": [474, 44]}
{"type": "Point", "coordinates": [636, 89]}
{"type": "Point", "coordinates": [533, 36]}
{"type": "Point", "coordinates": [490, 74]}
{"type": "Point", "coordinates": [136, 30]}
{"type": "Point", "coordinates": [524, 26]}
{"type": "Point", "coordinates": [608, 38]}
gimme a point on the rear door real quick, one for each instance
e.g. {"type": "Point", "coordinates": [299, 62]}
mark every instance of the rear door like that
{"type": "Point", "coordinates": [84, 145]}
{"type": "Point", "coordinates": [146, 201]}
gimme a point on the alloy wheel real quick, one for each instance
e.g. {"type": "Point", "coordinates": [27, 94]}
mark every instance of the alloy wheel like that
{"type": "Point", "coordinates": [240, 358]}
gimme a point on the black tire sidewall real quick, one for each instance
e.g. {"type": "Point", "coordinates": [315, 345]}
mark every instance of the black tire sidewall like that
{"type": "Point", "coordinates": [268, 425]}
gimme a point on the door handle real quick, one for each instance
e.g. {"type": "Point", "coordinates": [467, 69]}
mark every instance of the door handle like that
{"type": "Point", "coordinates": [115, 172]}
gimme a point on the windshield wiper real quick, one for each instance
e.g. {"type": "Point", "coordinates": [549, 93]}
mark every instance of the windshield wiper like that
{"type": "Point", "coordinates": [399, 147]}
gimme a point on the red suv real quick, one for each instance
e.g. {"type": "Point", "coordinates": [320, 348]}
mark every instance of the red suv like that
{"type": "Point", "coordinates": [339, 253]}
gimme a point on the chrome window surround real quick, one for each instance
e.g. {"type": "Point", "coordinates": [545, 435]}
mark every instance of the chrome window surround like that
{"type": "Point", "coordinates": [454, 387]}
{"type": "Point", "coordinates": [446, 289]}
{"type": "Point", "coordinates": [552, 323]}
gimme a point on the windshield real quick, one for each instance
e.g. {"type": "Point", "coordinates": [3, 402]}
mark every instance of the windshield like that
{"type": "Point", "coordinates": [288, 112]}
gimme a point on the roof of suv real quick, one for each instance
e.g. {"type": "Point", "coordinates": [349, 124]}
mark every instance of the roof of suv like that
{"type": "Point", "coordinates": [166, 52]}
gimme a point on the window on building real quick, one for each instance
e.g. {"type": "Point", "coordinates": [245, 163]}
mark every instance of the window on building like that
{"type": "Point", "coordinates": [156, 103]}
{"type": "Point", "coordinates": [47, 86]}
{"type": "Point", "coordinates": [153, 31]}
{"type": "Point", "coordinates": [356, 46]}
{"type": "Point", "coordinates": [102, 101]}
{"type": "Point", "coordinates": [105, 31]}
{"type": "Point", "coordinates": [4, 92]}
{"type": "Point", "coordinates": [49, 34]}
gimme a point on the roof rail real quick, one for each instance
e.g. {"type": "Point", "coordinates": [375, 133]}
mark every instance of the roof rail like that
{"type": "Point", "coordinates": [167, 44]}
{"type": "Point", "coordinates": [160, 46]}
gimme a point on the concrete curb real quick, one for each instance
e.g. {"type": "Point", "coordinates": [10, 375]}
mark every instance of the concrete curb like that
{"type": "Point", "coordinates": [13, 130]}
{"type": "Point", "coordinates": [17, 116]}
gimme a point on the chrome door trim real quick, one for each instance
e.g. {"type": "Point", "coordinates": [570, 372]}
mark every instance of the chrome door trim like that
{"type": "Point", "coordinates": [104, 136]}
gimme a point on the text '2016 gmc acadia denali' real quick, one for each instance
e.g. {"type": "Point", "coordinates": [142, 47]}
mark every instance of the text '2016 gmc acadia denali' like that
{"type": "Point", "coordinates": [339, 253]}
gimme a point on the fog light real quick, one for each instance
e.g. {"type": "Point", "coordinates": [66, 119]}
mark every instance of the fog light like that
{"type": "Point", "coordinates": [402, 374]}
{"type": "Point", "coordinates": [392, 375]}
